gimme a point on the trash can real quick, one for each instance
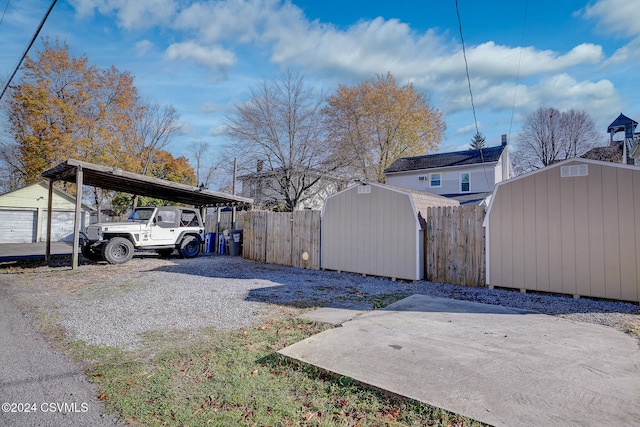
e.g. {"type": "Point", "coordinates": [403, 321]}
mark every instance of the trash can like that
{"type": "Point", "coordinates": [235, 242]}
{"type": "Point", "coordinates": [210, 243]}
{"type": "Point", "coordinates": [222, 247]}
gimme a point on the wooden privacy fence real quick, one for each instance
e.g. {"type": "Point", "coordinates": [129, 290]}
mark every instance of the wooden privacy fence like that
{"type": "Point", "coordinates": [455, 246]}
{"type": "Point", "coordinates": [289, 238]}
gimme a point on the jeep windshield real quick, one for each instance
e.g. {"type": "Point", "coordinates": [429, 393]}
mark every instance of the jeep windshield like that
{"type": "Point", "coordinates": [141, 214]}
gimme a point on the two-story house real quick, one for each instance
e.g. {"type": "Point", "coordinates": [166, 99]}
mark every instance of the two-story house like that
{"type": "Point", "coordinates": [468, 176]}
{"type": "Point", "coordinates": [265, 188]}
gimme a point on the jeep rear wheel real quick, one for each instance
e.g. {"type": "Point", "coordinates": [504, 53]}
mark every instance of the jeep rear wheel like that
{"type": "Point", "coordinates": [189, 247]}
{"type": "Point", "coordinates": [118, 250]}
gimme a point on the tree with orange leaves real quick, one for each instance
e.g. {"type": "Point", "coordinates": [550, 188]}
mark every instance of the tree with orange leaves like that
{"type": "Point", "coordinates": [63, 108]}
{"type": "Point", "coordinates": [375, 122]}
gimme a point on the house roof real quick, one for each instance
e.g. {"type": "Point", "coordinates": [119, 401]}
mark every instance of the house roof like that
{"type": "Point", "coordinates": [445, 160]}
{"type": "Point", "coordinates": [24, 197]}
{"type": "Point", "coordinates": [421, 199]}
{"type": "Point", "coordinates": [618, 124]}
{"type": "Point", "coordinates": [555, 165]}
{"type": "Point", "coordinates": [118, 180]}
{"type": "Point", "coordinates": [469, 198]}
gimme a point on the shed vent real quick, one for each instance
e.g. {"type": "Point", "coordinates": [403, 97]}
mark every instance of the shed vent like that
{"type": "Point", "coordinates": [577, 170]}
{"type": "Point", "coordinates": [364, 189]}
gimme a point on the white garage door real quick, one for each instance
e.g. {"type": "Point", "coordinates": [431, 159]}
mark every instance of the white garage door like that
{"type": "Point", "coordinates": [61, 226]}
{"type": "Point", "coordinates": [17, 226]}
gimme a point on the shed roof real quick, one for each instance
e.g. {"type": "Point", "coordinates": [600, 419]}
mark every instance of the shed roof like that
{"type": "Point", "coordinates": [421, 199]}
{"type": "Point", "coordinates": [443, 160]}
{"type": "Point", "coordinates": [500, 184]}
{"type": "Point", "coordinates": [119, 180]}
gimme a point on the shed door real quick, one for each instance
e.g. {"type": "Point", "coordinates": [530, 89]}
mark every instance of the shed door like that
{"type": "Point", "coordinates": [17, 226]}
{"type": "Point", "coordinates": [61, 225]}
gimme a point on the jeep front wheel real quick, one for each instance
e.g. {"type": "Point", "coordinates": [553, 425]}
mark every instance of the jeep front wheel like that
{"type": "Point", "coordinates": [189, 247]}
{"type": "Point", "coordinates": [118, 250]}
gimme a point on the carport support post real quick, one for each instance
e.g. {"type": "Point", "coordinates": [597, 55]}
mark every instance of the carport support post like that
{"type": "Point", "coordinates": [47, 252]}
{"type": "Point", "coordinates": [76, 223]}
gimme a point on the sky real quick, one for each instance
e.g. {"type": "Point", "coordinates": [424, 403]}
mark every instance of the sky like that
{"type": "Point", "coordinates": [203, 57]}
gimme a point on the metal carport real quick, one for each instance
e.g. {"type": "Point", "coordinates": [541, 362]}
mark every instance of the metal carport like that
{"type": "Point", "coordinates": [116, 179]}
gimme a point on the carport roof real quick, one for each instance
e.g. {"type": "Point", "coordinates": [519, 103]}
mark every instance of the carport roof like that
{"type": "Point", "coordinates": [117, 179]}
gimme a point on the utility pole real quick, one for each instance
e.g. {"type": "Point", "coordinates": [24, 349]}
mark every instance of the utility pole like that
{"type": "Point", "coordinates": [233, 191]}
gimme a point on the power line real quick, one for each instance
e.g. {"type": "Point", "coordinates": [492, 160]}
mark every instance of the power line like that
{"type": "Point", "coordinates": [473, 107]}
{"type": "Point", "coordinates": [466, 65]}
{"type": "Point", "coordinates": [24, 54]}
{"type": "Point", "coordinates": [4, 12]}
{"type": "Point", "coordinates": [515, 90]}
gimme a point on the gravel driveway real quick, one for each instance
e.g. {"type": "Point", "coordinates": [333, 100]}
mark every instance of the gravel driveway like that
{"type": "Point", "coordinates": [114, 305]}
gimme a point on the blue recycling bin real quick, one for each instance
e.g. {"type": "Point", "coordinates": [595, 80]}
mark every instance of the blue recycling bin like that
{"type": "Point", "coordinates": [210, 243]}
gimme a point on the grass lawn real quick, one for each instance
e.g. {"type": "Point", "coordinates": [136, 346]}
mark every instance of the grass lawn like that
{"type": "Point", "coordinates": [237, 378]}
{"type": "Point", "coordinates": [211, 377]}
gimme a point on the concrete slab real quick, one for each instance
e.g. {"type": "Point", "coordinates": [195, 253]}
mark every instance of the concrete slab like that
{"type": "Point", "coordinates": [337, 315]}
{"type": "Point", "coordinates": [18, 251]}
{"type": "Point", "coordinates": [498, 365]}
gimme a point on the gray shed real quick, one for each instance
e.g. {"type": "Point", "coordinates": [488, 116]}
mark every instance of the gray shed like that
{"type": "Point", "coordinates": [571, 228]}
{"type": "Point", "coordinates": [377, 230]}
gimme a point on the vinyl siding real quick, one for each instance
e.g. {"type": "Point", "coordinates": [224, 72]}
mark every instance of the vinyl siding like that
{"type": "Point", "coordinates": [482, 179]}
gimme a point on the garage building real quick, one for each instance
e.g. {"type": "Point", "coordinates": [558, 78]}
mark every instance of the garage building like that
{"type": "Point", "coordinates": [23, 214]}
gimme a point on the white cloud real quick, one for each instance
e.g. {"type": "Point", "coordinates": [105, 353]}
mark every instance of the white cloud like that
{"type": "Point", "coordinates": [615, 16]}
{"type": "Point", "coordinates": [564, 92]}
{"type": "Point", "coordinates": [628, 53]}
{"type": "Point", "coordinates": [468, 128]}
{"type": "Point", "coordinates": [218, 34]}
{"type": "Point", "coordinates": [218, 131]}
{"type": "Point", "coordinates": [366, 48]}
{"type": "Point", "coordinates": [131, 14]}
{"type": "Point", "coordinates": [143, 47]}
{"type": "Point", "coordinates": [359, 52]}
{"type": "Point", "coordinates": [238, 21]}
{"type": "Point", "coordinates": [215, 57]}
{"type": "Point", "coordinates": [209, 108]}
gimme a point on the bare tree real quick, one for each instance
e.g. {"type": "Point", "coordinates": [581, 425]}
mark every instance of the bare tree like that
{"type": "Point", "coordinates": [206, 167]}
{"type": "Point", "coordinates": [155, 127]}
{"type": "Point", "coordinates": [280, 128]}
{"type": "Point", "coordinates": [549, 136]}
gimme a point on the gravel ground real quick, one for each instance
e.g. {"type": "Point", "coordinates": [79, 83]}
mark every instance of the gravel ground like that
{"type": "Point", "coordinates": [113, 305]}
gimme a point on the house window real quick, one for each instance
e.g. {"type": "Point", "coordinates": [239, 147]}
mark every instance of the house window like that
{"type": "Point", "coordinates": [422, 178]}
{"type": "Point", "coordinates": [465, 179]}
{"type": "Point", "coordinates": [435, 180]}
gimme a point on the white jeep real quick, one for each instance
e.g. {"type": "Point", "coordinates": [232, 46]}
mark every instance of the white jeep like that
{"type": "Point", "coordinates": [161, 228]}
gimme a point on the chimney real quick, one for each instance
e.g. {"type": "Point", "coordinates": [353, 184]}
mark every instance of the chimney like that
{"type": "Point", "coordinates": [259, 165]}
{"type": "Point", "coordinates": [504, 139]}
